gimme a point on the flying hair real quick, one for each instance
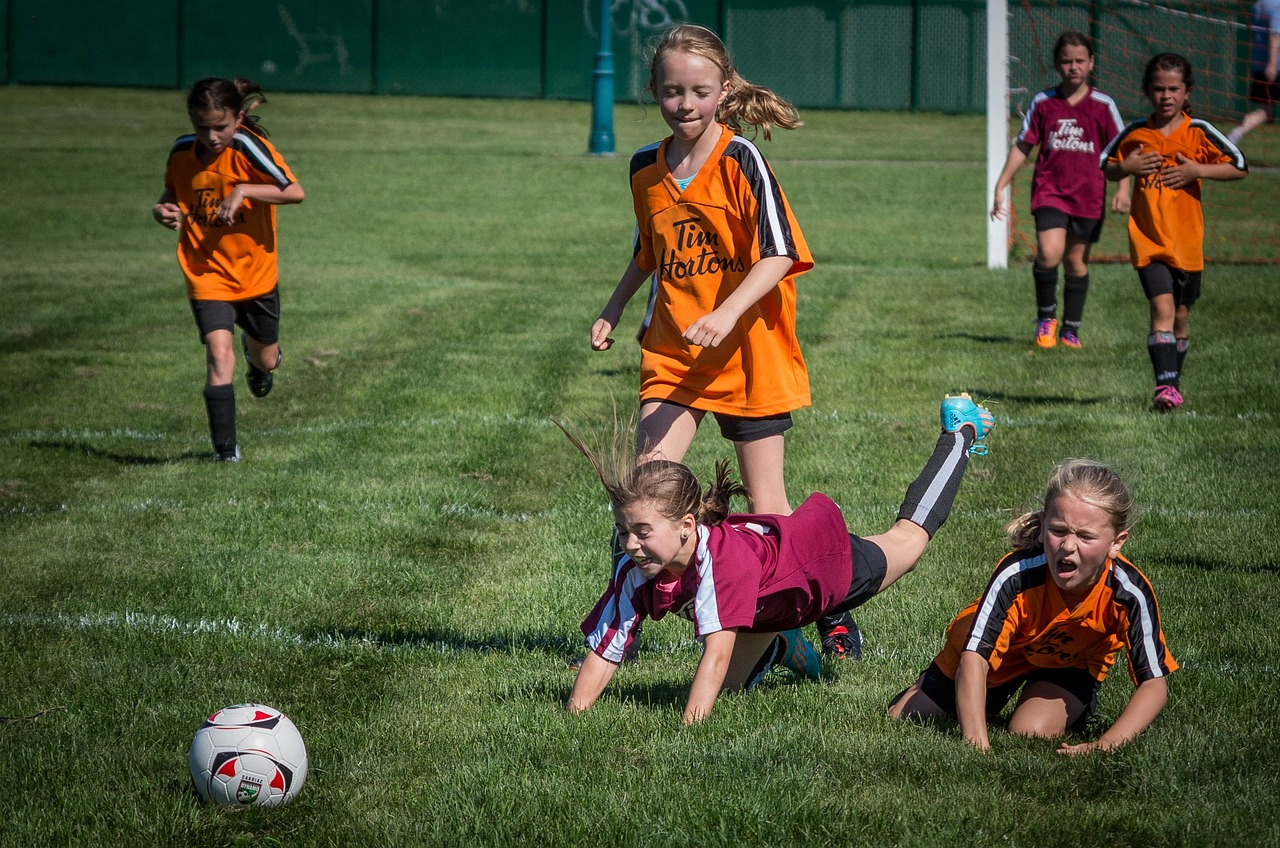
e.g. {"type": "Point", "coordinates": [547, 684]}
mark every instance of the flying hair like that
{"type": "Point", "coordinates": [746, 105]}
{"type": "Point", "coordinates": [214, 94]}
{"type": "Point", "coordinates": [670, 486]}
{"type": "Point", "coordinates": [1087, 481]}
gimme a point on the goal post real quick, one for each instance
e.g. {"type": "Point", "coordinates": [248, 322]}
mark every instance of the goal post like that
{"type": "Point", "coordinates": [997, 127]}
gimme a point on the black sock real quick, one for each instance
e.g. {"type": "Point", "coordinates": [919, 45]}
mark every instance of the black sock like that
{"type": "Point", "coordinates": [220, 403]}
{"type": "Point", "coordinates": [1163, 349]}
{"type": "Point", "coordinates": [1074, 292]}
{"type": "Point", "coordinates": [929, 498]}
{"type": "Point", "coordinates": [1182, 345]}
{"type": "Point", "coordinates": [1046, 280]}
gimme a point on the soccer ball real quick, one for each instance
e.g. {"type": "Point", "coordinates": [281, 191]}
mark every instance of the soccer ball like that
{"type": "Point", "coordinates": [248, 755]}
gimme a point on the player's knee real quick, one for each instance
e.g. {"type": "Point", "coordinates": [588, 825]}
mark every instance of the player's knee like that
{"type": "Point", "coordinates": [1043, 724]}
{"type": "Point", "coordinates": [912, 704]}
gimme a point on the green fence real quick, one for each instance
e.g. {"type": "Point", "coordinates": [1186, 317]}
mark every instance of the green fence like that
{"type": "Point", "coordinates": [875, 54]}
{"type": "Point", "coordinates": [926, 55]}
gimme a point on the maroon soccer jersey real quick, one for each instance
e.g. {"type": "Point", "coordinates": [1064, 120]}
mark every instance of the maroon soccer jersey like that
{"type": "Point", "coordinates": [756, 573]}
{"type": "Point", "coordinates": [1071, 138]}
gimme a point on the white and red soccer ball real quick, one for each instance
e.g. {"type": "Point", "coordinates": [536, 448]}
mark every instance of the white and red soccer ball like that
{"type": "Point", "coordinates": [249, 755]}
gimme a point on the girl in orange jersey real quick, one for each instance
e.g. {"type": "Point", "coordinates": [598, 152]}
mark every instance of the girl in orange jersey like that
{"type": "Point", "coordinates": [1170, 153]}
{"type": "Point", "coordinates": [221, 187]}
{"type": "Point", "coordinates": [1050, 622]}
{"type": "Point", "coordinates": [716, 232]}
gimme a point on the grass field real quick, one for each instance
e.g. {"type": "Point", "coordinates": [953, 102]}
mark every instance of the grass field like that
{"type": "Point", "coordinates": [402, 559]}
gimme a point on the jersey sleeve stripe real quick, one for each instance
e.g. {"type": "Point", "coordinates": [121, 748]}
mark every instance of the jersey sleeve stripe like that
{"type": "Point", "coordinates": [180, 144]}
{"type": "Point", "coordinates": [1146, 653]}
{"type": "Point", "coordinates": [1114, 144]}
{"type": "Point", "coordinates": [999, 596]}
{"type": "Point", "coordinates": [619, 617]}
{"type": "Point", "coordinates": [644, 157]}
{"type": "Point", "coordinates": [248, 145]}
{"type": "Point", "coordinates": [1220, 141]}
{"type": "Point", "coordinates": [773, 229]}
{"type": "Point", "coordinates": [1031, 112]}
{"type": "Point", "coordinates": [706, 608]}
{"type": "Point", "coordinates": [1112, 109]}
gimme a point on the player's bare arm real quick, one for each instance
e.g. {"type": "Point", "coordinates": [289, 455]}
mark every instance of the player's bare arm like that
{"type": "Point", "coordinates": [708, 680]}
{"type": "Point", "coordinates": [1121, 201]}
{"type": "Point", "coordinates": [1147, 702]}
{"type": "Point", "coordinates": [261, 193]}
{"type": "Point", "coordinates": [632, 279]}
{"type": "Point", "coordinates": [1017, 158]}
{"type": "Point", "coordinates": [593, 676]}
{"type": "Point", "coordinates": [1187, 171]}
{"type": "Point", "coordinates": [971, 699]}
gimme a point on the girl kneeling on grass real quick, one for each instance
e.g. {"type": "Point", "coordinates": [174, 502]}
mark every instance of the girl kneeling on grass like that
{"type": "Point", "coordinates": [749, 582]}
{"type": "Point", "coordinates": [1050, 622]}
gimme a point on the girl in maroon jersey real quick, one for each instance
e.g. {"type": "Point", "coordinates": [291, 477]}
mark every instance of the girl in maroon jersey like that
{"type": "Point", "coordinates": [749, 582]}
{"type": "Point", "coordinates": [1071, 123]}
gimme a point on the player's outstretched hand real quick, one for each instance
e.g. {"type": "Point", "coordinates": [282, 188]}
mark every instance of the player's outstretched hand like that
{"type": "Point", "coordinates": [600, 339]}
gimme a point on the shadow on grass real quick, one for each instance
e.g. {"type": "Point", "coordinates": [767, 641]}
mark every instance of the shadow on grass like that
{"type": "Point", "coordinates": [986, 395]}
{"type": "Point", "coordinates": [122, 458]}
{"type": "Point", "coordinates": [560, 650]}
{"type": "Point", "coordinates": [981, 339]}
{"type": "Point", "coordinates": [1202, 564]}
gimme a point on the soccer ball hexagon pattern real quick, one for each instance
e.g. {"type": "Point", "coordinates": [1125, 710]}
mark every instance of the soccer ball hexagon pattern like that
{"type": "Point", "coordinates": [248, 755]}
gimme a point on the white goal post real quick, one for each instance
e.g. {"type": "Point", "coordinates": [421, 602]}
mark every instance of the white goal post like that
{"type": "Point", "coordinates": [997, 128]}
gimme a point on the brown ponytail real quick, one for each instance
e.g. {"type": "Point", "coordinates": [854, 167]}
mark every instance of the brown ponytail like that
{"type": "Point", "coordinates": [747, 104]}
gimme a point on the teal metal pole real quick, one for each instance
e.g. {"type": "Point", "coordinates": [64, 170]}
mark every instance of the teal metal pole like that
{"type": "Point", "coordinates": [602, 143]}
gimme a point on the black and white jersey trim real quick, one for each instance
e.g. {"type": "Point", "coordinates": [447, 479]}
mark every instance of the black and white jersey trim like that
{"type": "Point", "coordinates": [1001, 591]}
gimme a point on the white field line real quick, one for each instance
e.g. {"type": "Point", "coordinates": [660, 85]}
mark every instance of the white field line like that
{"type": "Point", "coordinates": [379, 508]}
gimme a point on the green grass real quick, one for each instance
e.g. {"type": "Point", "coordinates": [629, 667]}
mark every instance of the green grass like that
{"type": "Point", "coordinates": [403, 558]}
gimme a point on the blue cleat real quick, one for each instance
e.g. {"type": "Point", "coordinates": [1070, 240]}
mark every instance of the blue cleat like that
{"type": "Point", "coordinates": [960, 411]}
{"type": "Point", "coordinates": [797, 655]}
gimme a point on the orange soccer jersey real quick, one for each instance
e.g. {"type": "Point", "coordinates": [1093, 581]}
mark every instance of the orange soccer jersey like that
{"type": "Point", "coordinates": [701, 242]}
{"type": "Point", "coordinates": [226, 261]}
{"type": "Point", "coordinates": [1166, 224]}
{"type": "Point", "coordinates": [1021, 623]}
